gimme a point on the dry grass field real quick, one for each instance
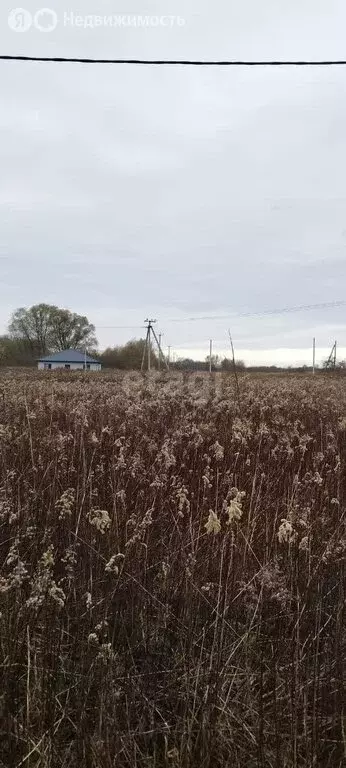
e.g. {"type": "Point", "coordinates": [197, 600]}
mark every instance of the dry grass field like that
{"type": "Point", "coordinates": [172, 584]}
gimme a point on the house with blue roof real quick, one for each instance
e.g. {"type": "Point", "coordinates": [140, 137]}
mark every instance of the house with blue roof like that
{"type": "Point", "coordinates": [70, 360]}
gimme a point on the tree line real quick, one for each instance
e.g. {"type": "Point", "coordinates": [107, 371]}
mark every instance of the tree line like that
{"type": "Point", "coordinates": [43, 329]}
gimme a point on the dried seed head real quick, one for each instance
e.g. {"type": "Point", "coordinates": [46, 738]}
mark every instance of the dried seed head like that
{"type": "Point", "coordinates": [111, 566]}
{"type": "Point", "coordinates": [286, 532]}
{"type": "Point", "coordinates": [99, 519]}
{"type": "Point", "coordinates": [213, 524]}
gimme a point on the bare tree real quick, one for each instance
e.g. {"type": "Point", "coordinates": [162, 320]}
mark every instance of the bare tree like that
{"type": "Point", "coordinates": [46, 328]}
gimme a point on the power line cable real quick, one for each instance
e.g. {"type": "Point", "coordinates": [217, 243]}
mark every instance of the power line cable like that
{"type": "Point", "coordinates": [262, 313]}
{"type": "Point", "coordinates": [181, 62]}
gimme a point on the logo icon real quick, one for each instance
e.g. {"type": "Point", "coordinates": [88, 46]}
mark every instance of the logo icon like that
{"type": "Point", "coordinates": [19, 20]}
{"type": "Point", "coordinates": [45, 20]}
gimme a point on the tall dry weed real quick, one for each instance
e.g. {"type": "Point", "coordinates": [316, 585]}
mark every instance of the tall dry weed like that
{"type": "Point", "coordinates": [172, 572]}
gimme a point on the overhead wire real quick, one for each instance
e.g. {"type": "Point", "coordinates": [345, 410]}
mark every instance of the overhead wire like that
{"type": "Point", "coordinates": [261, 313]}
{"type": "Point", "coordinates": [234, 315]}
{"type": "Point", "coordinates": [180, 62]}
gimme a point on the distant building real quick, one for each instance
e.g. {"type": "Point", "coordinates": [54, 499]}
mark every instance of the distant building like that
{"type": "Point", "coordinates": [70, 360]}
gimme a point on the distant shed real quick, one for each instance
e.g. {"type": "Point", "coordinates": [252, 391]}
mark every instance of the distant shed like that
{"type": "Point", "coordinates": [70, 360]}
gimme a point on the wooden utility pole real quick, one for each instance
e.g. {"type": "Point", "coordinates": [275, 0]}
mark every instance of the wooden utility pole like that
{"type": "Point", "coordinates": [313, 355]}
{"type": "Point", "coordinates": [210, 353]}
{"type": "Point", "coordinates": [331, 362]}
{"type": "Point", "coordinates": [160, 346]}
{"type": "Point", "coordinates": [149, 351]}
{"type": "Point", "coordinates": [161, 355]}
{"type": "Point", "coordinates": [147, 345]}
{"type": "Point", "coordinates": [235, 369]}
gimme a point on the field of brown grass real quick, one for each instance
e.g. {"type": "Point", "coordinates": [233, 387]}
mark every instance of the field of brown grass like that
{"type": "Point", "coordinates": [172, 579]}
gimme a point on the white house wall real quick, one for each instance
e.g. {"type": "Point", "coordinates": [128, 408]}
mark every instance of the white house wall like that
{"type": "Point", "coordinates": [72, 366]}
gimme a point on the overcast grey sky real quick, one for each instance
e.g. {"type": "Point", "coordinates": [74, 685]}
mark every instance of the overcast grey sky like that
{"type": "Point", "coordinates": [128, 191]}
